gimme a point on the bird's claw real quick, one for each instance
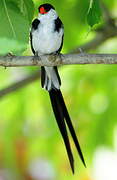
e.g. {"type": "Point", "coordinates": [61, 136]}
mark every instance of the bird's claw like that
{"type": "Point", "coordinates": [54, 57]}
{"type": "Point", "coordinates": [36, 58]}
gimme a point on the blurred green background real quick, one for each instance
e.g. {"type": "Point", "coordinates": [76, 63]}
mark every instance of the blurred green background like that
{"type": "Point", "coordinates": [31, 147]}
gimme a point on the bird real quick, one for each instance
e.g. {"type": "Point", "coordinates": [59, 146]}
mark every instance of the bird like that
{"type": "Point", "coordinates": [46, 38]}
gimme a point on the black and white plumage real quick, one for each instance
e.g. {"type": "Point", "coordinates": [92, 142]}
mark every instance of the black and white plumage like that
{"type": "Point", "coordinates": [46, 37]}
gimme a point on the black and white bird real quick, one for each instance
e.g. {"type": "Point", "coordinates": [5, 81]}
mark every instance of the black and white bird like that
{"type": "Point", "coordinates": [46, 37]}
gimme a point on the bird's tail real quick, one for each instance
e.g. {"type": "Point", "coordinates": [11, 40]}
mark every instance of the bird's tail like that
{"type": "Point", "coordinates": [59, 115]}
{"type": "Point", "coordinates": [62, 115]}
{"type": "Point", "coordinates": [50, 78]}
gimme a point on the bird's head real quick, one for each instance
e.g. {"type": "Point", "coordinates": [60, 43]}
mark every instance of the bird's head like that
{"type": "Point", "coordinates": [45, 8]}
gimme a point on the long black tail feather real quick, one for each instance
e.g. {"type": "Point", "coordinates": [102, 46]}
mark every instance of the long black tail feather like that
{"type": "Point", "coordinates": [62, 114]}
{"type": "Point", "coordinates": [57, 109]}
{"type": "Point", "coordinates": [70, 126]}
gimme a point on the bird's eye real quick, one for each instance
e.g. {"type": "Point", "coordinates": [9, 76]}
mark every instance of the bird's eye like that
{"type": "Point", "coordinates": [42, 10]}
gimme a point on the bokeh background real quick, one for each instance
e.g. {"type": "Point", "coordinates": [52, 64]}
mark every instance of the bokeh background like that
{"type": "Point", "coordinates": [31, 147]}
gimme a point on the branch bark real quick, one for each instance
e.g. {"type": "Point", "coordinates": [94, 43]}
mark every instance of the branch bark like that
{"type": "Point", "coordinates": [55, 60]}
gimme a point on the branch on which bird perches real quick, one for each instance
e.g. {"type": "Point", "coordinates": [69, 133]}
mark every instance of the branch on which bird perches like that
{"type": "Point", "coordinates": [56, 60]}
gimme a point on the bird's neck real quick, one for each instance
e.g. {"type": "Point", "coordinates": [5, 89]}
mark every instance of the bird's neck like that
{"type": "Point", "coordinates": [49, 17]}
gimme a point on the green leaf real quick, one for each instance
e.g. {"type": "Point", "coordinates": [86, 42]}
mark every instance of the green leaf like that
{"type": "Point", "coordinates": [27, 8]}
{"type": "Point", "coordinates": [94, 13]}
{"type": "Point", "coordinates": [13, 26]}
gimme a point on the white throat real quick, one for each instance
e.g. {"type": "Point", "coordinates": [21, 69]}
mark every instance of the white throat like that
{"type": "Point", "coordinates": [50, 16]}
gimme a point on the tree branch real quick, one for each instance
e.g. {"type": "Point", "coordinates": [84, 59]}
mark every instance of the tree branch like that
{"type": "Point", "coordinates": [55, 60]}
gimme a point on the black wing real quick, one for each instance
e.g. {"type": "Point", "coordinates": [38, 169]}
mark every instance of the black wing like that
{"type": "Point", "coordinates": [35, 25]}
{"type": "Point", "coordinates": [58, 26]}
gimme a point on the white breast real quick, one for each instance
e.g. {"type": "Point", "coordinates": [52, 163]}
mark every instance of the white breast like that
{"type": "Point", "coordinates": [45, 40]}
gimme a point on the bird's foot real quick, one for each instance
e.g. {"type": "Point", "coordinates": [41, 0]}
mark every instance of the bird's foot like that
{"type": "Point", "coordinates": [52, 57]}
{"type": "Point", "coordinates": [55, 57]}
{"type": "Point", "coordinates": [36, 58]}
{"type": "Point", "coordinates": [61, 56]}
